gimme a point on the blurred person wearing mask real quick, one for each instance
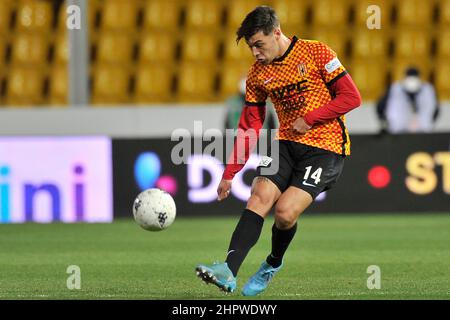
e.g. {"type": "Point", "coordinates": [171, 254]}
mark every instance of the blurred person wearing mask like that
{"type": "Point", "coordinates": [409, 105]}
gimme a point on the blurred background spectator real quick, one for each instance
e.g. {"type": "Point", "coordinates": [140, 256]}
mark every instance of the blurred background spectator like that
{"type": "Point", "coordinates": [409, 105]}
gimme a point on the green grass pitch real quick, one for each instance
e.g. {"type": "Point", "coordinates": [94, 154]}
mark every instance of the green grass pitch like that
{"type": "Point", "coordinates": [328, 259]}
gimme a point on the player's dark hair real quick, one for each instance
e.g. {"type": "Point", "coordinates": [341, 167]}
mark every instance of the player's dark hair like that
{"type": "Point", "coordinates": [262, 18]}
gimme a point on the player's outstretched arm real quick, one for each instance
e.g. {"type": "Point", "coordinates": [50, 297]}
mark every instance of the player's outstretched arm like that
{"type": "Point", "coordinates": [252, 118]}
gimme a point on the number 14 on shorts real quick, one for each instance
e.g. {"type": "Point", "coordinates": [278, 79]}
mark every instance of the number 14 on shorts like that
{"type": "Point", "coordinates": [315, 175]}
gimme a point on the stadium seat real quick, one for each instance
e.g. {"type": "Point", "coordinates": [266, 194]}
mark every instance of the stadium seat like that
{"type": "Point", "coordinates": [362, 15]}
{"type": "Point", "coordinates": [2, 80]}
{"type": "Point", "coordinates": [119, 15]}
{"type": "Point", "coordinates": [162, 14]}
{"type": "Point", "coordinates": [230, 75]}
{"type": "Point", "coordinates": [196, 83]}
{"type": "Point", "coordinates": [204, 14]}
{"type": "Point", "coordinates": [398, 67]}
{"type": "Point", "coordinates": [442, 79]}
{"type": "Point", "coordinates": [153, 84]}
{"type": "Point", "coordinates": [157, 47]}
{"type": "Point", "coordinates": [416, 13]}
{"type": "Point", "coordinates": [329, 13]}
{"type": "Point", "coordinates": [443, 42]}
{"type": "Point", "coordinates": [59, 85]}
{"type": "Point", "coordinates": [110, 84]}
{"type": "Point", "coordinates": [30, 48]}
{"type": "Point", "coordinates": [370, 44]}
{"type": "Point", "coordinates": [199, 46]}
{"type": "Point", "coordinates": [336, 39]}
{"type": "Point", "coordinates": [24, 86]}
{"type": "Point", "coordinates": [6, 7]}
{"type": "Point", "coordinates": [61, 47]}
{"type": "Point", "coordinates": [3, 45]}
{"type": "Point", "coordinates": [236, 52]}
{"type": "Point", "coordinates": [115, 47]}
{"type": "Point", "coordinates": [369, 76]}
{"type": "Point", "coordinates": [410, 43]}
{"type": "Point", "coordinates": [36, 16]}
{"type": "Point", "coordinates": [292, 13]}
{"type": "Point", "coordinates": [238, 9]}
{"type": "Point", "coordinates": [444, 12]}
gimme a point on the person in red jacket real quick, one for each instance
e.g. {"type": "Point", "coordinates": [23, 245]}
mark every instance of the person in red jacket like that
{"type": "Point", "coordinates": [311, 92]}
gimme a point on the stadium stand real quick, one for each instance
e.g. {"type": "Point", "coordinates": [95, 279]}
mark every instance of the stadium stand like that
{"type": "Point", "coordinates": [6, 9]}
{"type": "Point", "coordinates": [203, 14]}
{"type": "Point", "coordinates": [412, 44]}
{"type": "Point", "coordinates": [234, 52]}
{"type": "Point", "coordinates": [199, 46]}
{"type": "Point", "coordinates": [328, 13]}
{"type": "Point", "coordinates": [154, 83]}
{"type": "Point", "coordinates": [295, 14]}
{"type": "Point", "coordinates": [370, 44]}
{"type": "Point", "coordinates": [115, 47]}
{"type": "Point", "coordinates": [30, 49]}
{"type": "Point", "coordinates": [444, 13]}
{"type": "Point", "coordinates": [335, 38]}
{"type": "Point", "coordinates": [162, 15]}
{"type": "Point", "coordinates": [157, 47]}
{"type": "Point", "coordinates": [415, 13]}
{"type": "Point", "coordinates": [231, 73]}
{"type": "Point", "coordinates": [119, 15]}
{"type": "Point", "coordinates": [237, 9]}
{"type": "Point", "coordinates": [443, 43]}
{"type": "Point", "coordinates": [110, 84]}
{"type": "Point", "coordinates": [133, 42]}
{"type": "Point", "coordinates": [443, 79]}
{"type": "Point", "coordinates": [370, 87]}
{"type": "Point", "coordinates": [58, 85]}
{"type": "Point", "coordinates": [34, 16]}
{"type": "Point", "coordinates": [196, 82]}
{"type": "Point", "coordinates": [364, 9]}
{"type": "Point", "coordinates": [25, 86]}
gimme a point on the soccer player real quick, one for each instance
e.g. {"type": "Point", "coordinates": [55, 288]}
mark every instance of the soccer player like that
{"type": "Point", "coordinates": [311, 91]}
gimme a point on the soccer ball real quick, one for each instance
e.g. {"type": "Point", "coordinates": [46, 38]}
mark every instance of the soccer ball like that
{"type": "Point", "coordinates": [154, 209]}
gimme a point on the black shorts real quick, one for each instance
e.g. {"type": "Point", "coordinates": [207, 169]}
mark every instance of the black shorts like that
{"type": "Point", "coordinates": [309, 168]}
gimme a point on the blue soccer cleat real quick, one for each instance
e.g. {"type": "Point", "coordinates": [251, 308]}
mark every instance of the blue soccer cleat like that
{"type": "Point", "coordinates": [218, 274]}
{"type": "Point", "coordinates": [260, 280]}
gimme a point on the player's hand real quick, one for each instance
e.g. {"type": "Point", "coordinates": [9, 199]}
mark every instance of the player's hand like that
{"type": "Point", "coordinates": [224, 189]}
{"type": "Point", "coordinates": [300, 126]}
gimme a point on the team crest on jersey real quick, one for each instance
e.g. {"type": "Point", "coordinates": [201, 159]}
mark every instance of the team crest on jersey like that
{"type": "Point", "coordinates": [302, 69]}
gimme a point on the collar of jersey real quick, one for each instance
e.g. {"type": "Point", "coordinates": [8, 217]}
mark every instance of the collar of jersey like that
{"type": "Point", "coordinates": [294, 40]}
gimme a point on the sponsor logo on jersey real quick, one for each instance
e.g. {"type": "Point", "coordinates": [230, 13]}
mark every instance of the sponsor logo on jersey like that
{"type": "Point", "coordinates": [333, 65]}
{"type": "Point", "coordinates": [290, 90]}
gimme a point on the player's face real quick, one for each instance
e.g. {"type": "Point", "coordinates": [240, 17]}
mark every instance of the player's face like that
{"type": "Point", "coordinates": [264, 47]}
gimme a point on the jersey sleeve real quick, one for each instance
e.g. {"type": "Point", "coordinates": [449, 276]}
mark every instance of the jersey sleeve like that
{"type": "Point", "coordinates": [326, 60]}
{"type": "Point", "coordinates": [254, 95]}
{"type": "Point", "coordinates": [346, 98]}
{"type": "Point", "coordinates": [251, 121]}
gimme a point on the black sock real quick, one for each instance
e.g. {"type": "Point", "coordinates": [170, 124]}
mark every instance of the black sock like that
{"type": "Point", "coordinates": [244, 238]}
{"type": "Point", "coordinates": [280, 242]}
